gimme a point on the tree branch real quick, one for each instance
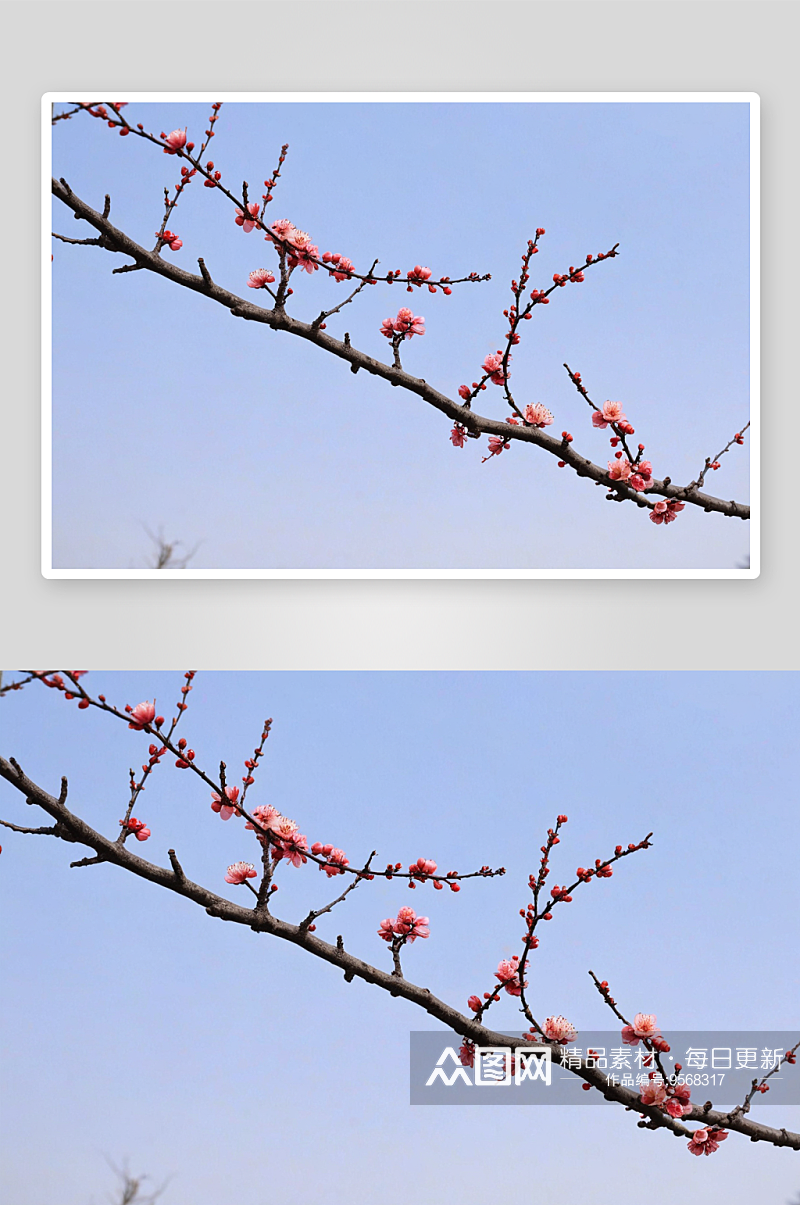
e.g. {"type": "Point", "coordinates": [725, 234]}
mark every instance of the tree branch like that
{"type": "Point", "coordinates": [277, 319]}
{"type": "Point", "coordinates": [392, 982]}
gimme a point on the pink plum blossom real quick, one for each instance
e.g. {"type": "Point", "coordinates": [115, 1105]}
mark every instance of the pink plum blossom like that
{"type": "Point", "coordinates": [496, 446]}
{"type": "Point", "coordinates": [226, 810]}
{"type": "Point", "coordinates": [268, 817]}
{"type": "Point", "coordinates": [644, 1026]}
{"type": "Point", "coordinates": [283, 827]}
{"type": "Point", "coordinates": [249, 220]}
{"type": "Point", "coordinates": [466, 1053]}
{"type": "Point", "coordinates": [142, 714]}
{"type": "Point", "coordinates": [538, 415]}
{"type": "Point", "coordinates": [458, 436]}
{"type": "Point", "coordinates": [259, 278]}
{"type": "Point", "coordinates": [474, 1003]}
{"type": "Point", "coordinates": [304, 255]}
{"type": "Point", "coordinates": [292, 848]}
{"type": "Point", "coordinates": [705, 1142]}
{"type": "Point", "coordinates": [493, 365]}
{"type": "Point", "coordinates": [678, 1104]}
{"type": "Point", "coordinates": [239, 871]}
{"type": "Point", "coordinates": [283, 228]}
{"type": "Point", "coordinates": [386, 930]}
{"type": "Point", "coordinates": [263, 816]}
{"type": "Point", "coordinates": [610, 413]}
{"type": "Point", "coordinates": [464, 392]}
{"type": "Point", "coordinates": [175, 142]}
{"type": "Point", "coordinates": [508, 974]}
{"type": "Point", "coordinates": [559, 1029]}
{"type": "Point", "coordinates": [619, 470]}
{"type": "Point", "coordinates": [653, 1093]}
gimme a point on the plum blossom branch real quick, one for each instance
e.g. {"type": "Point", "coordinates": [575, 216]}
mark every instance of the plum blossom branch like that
{"type": "Point", "coordinates": [462, 415]}
{"type": "Point", "coordinates": [250, 215]}
{"type": "Point", "coordinates": [274, 831]}
{"type": "Point", "coordinates": [628, 476]}
{"type": "Point", "coordinates": [713, 462]}
{"type": "Point", "coordinates": [761, 1085]}
{"type": "Point", "coordinates": [658, 1106]}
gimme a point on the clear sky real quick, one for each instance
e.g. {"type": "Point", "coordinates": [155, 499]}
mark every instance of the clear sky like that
{"type": "Point", "coordinates": [168, 411]}
{"type": "Point", "coordinates": [134, 1025]}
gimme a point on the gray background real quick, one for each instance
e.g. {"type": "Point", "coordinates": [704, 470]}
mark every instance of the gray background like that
{"type": "Point", "coordinates": [373, 46]}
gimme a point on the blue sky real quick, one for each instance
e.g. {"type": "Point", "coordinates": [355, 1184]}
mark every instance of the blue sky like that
{"type": "Point", "coordinates": [167, 411]}
{"type": "Point", "coordinates": [134, 1025]}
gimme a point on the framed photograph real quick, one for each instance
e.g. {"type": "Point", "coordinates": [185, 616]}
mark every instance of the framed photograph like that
{"type": "Point", "coordinates": [422, 335]}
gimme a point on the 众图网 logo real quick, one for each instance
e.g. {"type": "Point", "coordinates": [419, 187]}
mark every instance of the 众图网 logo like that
{"type": "Point", "coordinates": [493, 1067]}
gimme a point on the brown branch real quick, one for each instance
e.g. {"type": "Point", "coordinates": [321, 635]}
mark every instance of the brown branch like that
{"type": "Point", "coordinates": [277, 319]}
{"type": "Point", "coordinates": [223, 909]}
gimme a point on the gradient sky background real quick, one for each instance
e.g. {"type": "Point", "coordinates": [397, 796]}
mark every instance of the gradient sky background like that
{"type": "Point", "coordinates": [167, 411]}
{"type": "Point", "coordinates": [134, 1025]}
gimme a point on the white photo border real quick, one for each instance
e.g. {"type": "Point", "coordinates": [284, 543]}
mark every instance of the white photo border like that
{"type": "Point", "coordinates": [750, 98]}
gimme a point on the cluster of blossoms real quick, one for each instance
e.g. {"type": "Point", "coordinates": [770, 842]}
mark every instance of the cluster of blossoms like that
{"type": "Point", "coordinates": [670, 1098]}
{"type": "Point", "coordinates": [494, 369]}
{"type": "Point", "coordinates": [666, 512]}
{"type": "Point", "coordinates": [573, 276]}
{"type": "Point", "coordinates": [421, 870]}
{"type": "Point", "coordinates": [639, 475]}
{"type": "Point", "coordinates": [284, 839]}
{"type": "Point", "coordinates": [296, 244]}
{"type": "Point", "coordinates": [343, 265]}
{"type": "Point", "coordinates": [137, 827]}
{"type": "Point", "coordinates": [336, 859]}
{"type": "Point", "coordinates": [673, 1099]}
{"type": "Point", "coordinates": [407, 926]}
{"type": "Point", "coordinates": [404, 326]}
{"type": "Point", "coordinates": [418, 276]}
{"type": "Point", "coordinates": [508, 974]}
{"type": "Point", "coordinates": [293, 243]}
{"type": "Point", "coordinates": [706, 1141]}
